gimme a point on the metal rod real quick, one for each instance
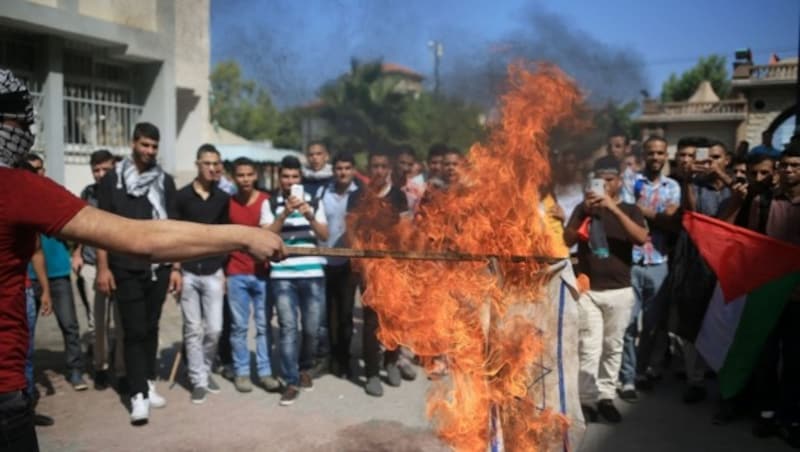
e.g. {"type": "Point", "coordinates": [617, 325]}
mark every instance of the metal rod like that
{"type": "Point", "coordinates": [414, 255]}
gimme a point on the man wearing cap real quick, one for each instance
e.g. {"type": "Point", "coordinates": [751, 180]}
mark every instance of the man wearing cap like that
{"type": "Point", "coordinates": [605, 229]}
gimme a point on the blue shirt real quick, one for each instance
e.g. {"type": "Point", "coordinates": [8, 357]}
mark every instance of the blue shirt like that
{"type": "Point", "coordinates": [336, 213]}
{"type": "Point", "coordinates": [658, 196]}
{"type": "Point", "coordinates": [56, 256]}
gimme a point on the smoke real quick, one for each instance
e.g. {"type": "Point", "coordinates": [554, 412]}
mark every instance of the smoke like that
{"type": "Point", "coordinates": [293, 48]}
{"type": "Point", "coordinates": [604, 73]}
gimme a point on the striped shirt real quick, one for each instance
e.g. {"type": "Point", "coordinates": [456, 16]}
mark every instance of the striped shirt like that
{"type": "Point", "coordinates": [296, 231]}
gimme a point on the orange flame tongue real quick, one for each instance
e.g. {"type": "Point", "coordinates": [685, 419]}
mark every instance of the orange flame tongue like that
{"type": "Point", "coordinates": [454, 310]}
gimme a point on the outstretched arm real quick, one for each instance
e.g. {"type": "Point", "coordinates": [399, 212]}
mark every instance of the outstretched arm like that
{"type": "Point", "coordinates": [168, 240]}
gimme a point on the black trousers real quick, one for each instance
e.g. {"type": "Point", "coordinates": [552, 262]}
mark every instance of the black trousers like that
{"type": "Point", "coordinates": [778, 374]}
{"type": "Point", "coordinates": [340, 297]}
{"type": "Point", "coordinates": [17, 431]}
{"type": "Point", "coordinates": [224, 351]}
{"type": "Point", "coordinates": [140, 296]}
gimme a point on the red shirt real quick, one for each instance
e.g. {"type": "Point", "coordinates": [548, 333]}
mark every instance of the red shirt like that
{"type": "Point", "coordinates": [239, 262]}
{"type": "Point", "coordinates": [29, 204]}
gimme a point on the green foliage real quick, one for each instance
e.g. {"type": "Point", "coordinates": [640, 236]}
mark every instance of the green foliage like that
{"type": "Point", "coordinates": [364, 108]}
{"type": "Point", "coordinates": [617, 118]}
{"type": "Point", "coordinates": [712, 68]}
{"type": "Point", "coordinates": [434, 119]}
{"type": "Point", "coordinates": [243, 107]}
{"type": "Point", "coordinates": [367, 109]}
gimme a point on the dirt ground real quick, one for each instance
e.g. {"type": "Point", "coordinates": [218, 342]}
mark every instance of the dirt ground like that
{"type": "Point", "coordinates": [336, 416]}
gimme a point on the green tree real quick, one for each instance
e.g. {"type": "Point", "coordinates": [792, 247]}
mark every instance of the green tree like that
{"type": "Point", "coordinates": [712, 68]}
{"type": "Point", "coordinates": [435, 119]}
{"type": "Point", "coordinates": [364, 108]}
{"type": "Point", "coordinates": [242, 106]}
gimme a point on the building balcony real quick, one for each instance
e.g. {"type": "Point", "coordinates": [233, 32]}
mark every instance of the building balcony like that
{"type": "Point", "coordinates": [723, 110]}
{"type": "Point", "coordinates": [781, 73]}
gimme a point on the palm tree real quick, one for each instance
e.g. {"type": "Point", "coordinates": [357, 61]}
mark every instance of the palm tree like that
{"type": "Point", "coordinates": [364, 108]}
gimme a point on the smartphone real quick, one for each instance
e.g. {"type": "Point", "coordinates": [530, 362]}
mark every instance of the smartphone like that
{"type": "Point", "coordinates": [297, 191]}
{"type": "Point", "coordinates": [701, 155]}
{"type": "Point", "coordinates": [597, 186]}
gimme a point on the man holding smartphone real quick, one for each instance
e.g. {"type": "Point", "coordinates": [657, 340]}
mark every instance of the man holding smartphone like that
{"type": "Point", "coordinates": [298, 283]}
{"type": "Point", "coordinates": [605, 310]}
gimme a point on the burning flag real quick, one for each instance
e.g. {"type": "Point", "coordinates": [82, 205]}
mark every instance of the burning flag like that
{"type": "Point", "coordinates": [508, 332]}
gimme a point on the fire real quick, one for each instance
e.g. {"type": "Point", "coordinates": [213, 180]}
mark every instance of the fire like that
{"type": "Point", "coordinates": [465, 312]}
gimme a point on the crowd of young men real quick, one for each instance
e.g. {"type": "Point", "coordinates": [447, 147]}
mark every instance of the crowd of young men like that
{"type": "Point", "coordinates": [312, 299]}
{"type": "Point", "coordinates": [623, 235]}
{"type": "Point", "coordinates": [625, 238]}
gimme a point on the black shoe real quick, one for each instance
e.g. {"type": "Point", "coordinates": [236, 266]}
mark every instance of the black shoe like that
{"type": "Point", "coordinates": [306, 382]}
{"type": "Point", "coordinates": [694, 394]}
{"type": "Point", "coordinates": [290, 394]}
{"type": "Point", "coordinates": [199, 395]}
{"type": "Point", "coordinates": [765, 427]}
{"type": "Point", "coordinates": [628, 394]}
{"type": "Point", "coordinates": [609, 412]}
{"type": "Point", "coordinates": [589, 414]}
{"type": "Point", "coordinates": [227, 373]}
{"type": "Point", "coordinates": [101, 380]}
{"type": "Point", "coordinates": [725, 414]}
{"type": "Point", "coordinates": [40, 420]}
{"type": "Point", "coordinates": [792, 436]}
{"type": "Point", "coordinates": [321, 367]}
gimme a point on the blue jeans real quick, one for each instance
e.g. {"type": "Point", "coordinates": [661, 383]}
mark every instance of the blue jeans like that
{"type": "Point", "coordinates": [243, 291]}
{"type": "Point", "coordinates": [30, 302]}
{"type": "Point", "coordinates": [646, 281]}
{"type": "Point", "coordinates": [306, 297]}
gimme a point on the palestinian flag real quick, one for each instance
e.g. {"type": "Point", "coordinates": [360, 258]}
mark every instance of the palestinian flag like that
{"type": "Point", "coordinates": [755, 276]}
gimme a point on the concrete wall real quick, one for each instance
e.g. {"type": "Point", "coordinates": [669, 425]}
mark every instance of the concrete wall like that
{"type": "Point", "coordinates": [192, 69]}
{"type": "Point", "coordinates": [776, 100]}
{"type": "Point", "coordinates": [723, 131]}
{"type": "Point", "coordinates": [136, 14]}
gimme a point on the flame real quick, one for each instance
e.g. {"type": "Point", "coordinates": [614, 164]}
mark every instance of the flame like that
{"type": "Point", "coordinates": [463, 311]}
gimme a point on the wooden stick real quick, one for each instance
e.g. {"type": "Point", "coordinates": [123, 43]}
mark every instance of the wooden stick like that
{"type": "Point", "coordinates": [413, 255]}
{"type": "Point", "coordinates": [175, 363]}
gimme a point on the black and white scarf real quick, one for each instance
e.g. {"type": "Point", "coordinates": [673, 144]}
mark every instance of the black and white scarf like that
{"type": "Point", "coordinates": [149, 183]}
{"type": "Point", "coordinates": [15, 103]}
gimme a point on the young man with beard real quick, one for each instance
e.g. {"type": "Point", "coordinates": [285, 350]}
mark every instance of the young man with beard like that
{"type": "Point", "coordinates": [390, 202]}
{"type": "Point", "coordinates": [759, 180]}
{"type": "Point", "coordinates": [201, 296]}
{"type": "Point", "coordinates": [84, 264]}
{"type": "Point", "coordinates": [605, 310]}
{"type": "Point", "coordinates": [298, 283]}
{"type": "Point", "coordinates": [139, 189]}
{"type": "Point", "coordinates": [707, 185]}
{"type": "Point", "coordinates": [658, 198]}
{"type": "Point", "coordinates": [777, 378]}
{"type": "Point", "coordinates": [69, 218]}
{"type": "Point", "coordinates": [340, 285]}
{"type": "Point", "coordinates": [248, 285]}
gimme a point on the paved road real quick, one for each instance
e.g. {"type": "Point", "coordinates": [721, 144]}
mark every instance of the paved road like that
{"type": "Point", "coordinates": [336, 416]}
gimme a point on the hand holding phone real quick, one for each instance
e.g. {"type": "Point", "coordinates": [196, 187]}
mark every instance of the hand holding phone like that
{"type": "Point", "coordinates": [297, 191]}
{"type": "Point", "coordinates": [701, 155]}
{"type": "Point", "coordinates": [597, 186]}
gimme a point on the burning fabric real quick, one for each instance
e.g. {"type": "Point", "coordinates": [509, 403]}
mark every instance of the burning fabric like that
{"type": "Point", "coordinates": [507, 332]}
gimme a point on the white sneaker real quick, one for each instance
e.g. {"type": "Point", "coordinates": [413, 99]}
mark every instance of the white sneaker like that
{"type": "Point", "coordinates": [156, 400]}
{"type": "Point", "coordinates": [140, 409]}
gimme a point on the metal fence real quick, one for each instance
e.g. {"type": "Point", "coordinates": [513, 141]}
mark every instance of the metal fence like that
{"type": "Point", "coordinates": [93, 118]}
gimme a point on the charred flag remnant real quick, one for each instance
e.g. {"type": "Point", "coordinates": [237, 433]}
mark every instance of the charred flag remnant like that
{"type": "Point", "coordinates": [508, 336]}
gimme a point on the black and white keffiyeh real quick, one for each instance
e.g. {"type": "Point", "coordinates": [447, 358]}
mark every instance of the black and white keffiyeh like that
{"type": "Point", "coordinates": [15, 103]}
{"type": "Point", "coordinates": [149, 183]}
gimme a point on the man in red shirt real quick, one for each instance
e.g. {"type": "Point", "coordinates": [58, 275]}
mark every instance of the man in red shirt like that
{"type": "Point", "coordinates": [69, 218]}
{"type": "Point", "coordinates": [247, 284]}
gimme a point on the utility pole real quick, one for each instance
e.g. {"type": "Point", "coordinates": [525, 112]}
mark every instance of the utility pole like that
{"type": "Point", "coordinates": [438, 50]}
